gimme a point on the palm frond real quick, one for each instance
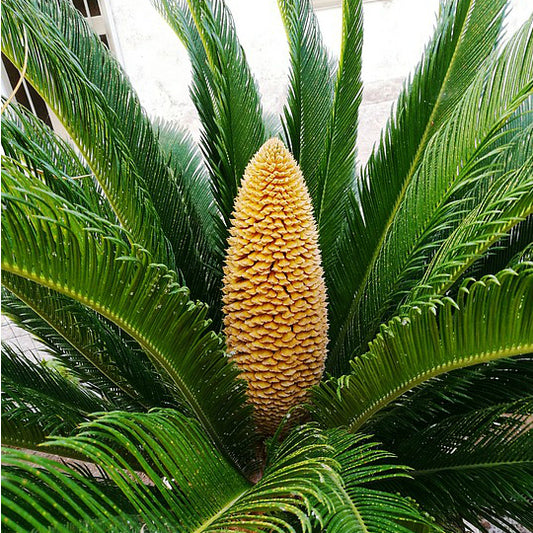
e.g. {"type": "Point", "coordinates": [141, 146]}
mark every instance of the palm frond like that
{"type": "Point", "coordinates": [473, 467]}
{"type": "Point", "coordinates": [310, 93]}
{"type": "Point", "coordinates": [184, 159]}
{"type": "Point", "coordinates": [82, 107]}
{"type": "Point", "coordinates": [508, 202]}
{"type": "Point", "coordinates": [515, 142]}
{"type": "Point", "coordinates": [190, 174]}
{"type": "Point", "coordinates": [363, 463]}
{"type": "Point", "coordinates": [491, 319]}
{"type": "Point", "coordinates": [103, 115]}
{"type": "Point", "coordinates": [424, 104]}
{"type": "Point", "coordinates": [454, 160]}
{"type": "Point", "coordinates": [514, 139]}
{"type": "Point", "coordinates": [116, 366]}
{"type": "Point", "coordinates": [445, 403]}
{"type": "Point", "coordinates": [27, 437]}
{"type": "Point", "coordinates": [455, 393]}
{"type": "Point", "coordinates": [513, 248]}
{"type": "Point", "coordinates": [337, 168]}
{"type": "Point", "coordinates": [493, 206]}
{"type": "Point", "coordinates": [40, 398]}
{"type": "Point", "coordinates": [29, 140]}
{"type": "Point", "coordinates": [101, 355]}
{"type": "Point", "coordinates": [38, 492]}
{"type": "Point", "coordinates": [320, 118]}
{"type": "Point", "coordinates": [166, 470]}
{"type": "Point", "coordinates": [223, 91]}
{"type": "Point", "coordinates": [91, 262]}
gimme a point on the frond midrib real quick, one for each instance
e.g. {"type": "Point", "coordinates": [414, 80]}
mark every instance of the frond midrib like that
{"type": "Point", "coordinates": [203, 527]}
{"type": "Point", "coordinates": [42, 448]}
{"type": "Point", "coordinates": [469, 466]}
{"type": "Point", "coordinates": [483, 357]}
{"type": "Point", "coordinates": [355, 510]}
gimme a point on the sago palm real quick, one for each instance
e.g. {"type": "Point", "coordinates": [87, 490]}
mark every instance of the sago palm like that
{"type": "Point", "coordinates": [317, 346]}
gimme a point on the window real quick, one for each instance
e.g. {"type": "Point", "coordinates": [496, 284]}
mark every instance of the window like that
{"type": "Point", "coordinates": [97, 14]}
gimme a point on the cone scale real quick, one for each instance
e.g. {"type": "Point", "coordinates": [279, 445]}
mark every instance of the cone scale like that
{"type": "Point", "coordinates": [275, 317]}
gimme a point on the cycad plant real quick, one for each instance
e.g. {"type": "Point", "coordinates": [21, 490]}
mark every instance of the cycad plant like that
{"type": "Point", "coordinates": [194, 381]}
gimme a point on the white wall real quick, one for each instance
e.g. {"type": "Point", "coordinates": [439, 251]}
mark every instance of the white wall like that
{"type": "Point", "coordinates": [395, 34]}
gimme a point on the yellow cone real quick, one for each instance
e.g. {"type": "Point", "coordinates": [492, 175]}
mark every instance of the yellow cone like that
{"type": "Point", "coordinates": [274, 292]}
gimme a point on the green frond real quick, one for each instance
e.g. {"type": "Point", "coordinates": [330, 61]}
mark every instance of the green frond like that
{"type": "Point", "coordinates": [474, 466]}
{"type": "Point", "coordinates": [337, 168]}
{"type": "Point", "coordinates": [455, 393]}
{"type": "Point", "coordinates": [40, 398]}
{"type": "Point", "coordinates": [223, 91]}
{"type": "Point", "coordinates": [391, 167]}
{"type": "Point", "coordinates": [466, 204]}
{"type": "Point", "coordinates": [515, 145]}
{"type": "Point", "coordinates": [30, 141]}
{"type": "Point", "coordinates": [365, 508]}
{"type": "Point", "coordinates": [307, 113]}
{"type": "Point", "coordinates": [521, 245]}
{"type": "Point", "coordinates": [508, 201]}
{"type": "Point", "coordinates": [171, 478]}
{"type": "Point", "coordinates": [513, 248]}
{"type": "Point", "coordinates": [445, 403]}
{"type": "Point", "coordinates": [493, 206]}
{"type": "Point", "coordinates": [185, 161]}
{"type": "Point", "coordinates": [27, 437]}
{"type": "Point", "coordinates": [320, 118]}
{"type": "Point", "coordinates": [454, 160]}
{"type": "Point", "coordinates": [90, 261]}
{"type": "Point", "coordinates": [273, 126]}
{"type": "Point", "coordinates": [200, 211]}
{"type": "Point", "coordinates": [515, 138]}
{"type": "Point", "coordinates": [38, 492]}
{"type": "Point", "coordinates": [190, 174]}
{"type": "Point", "coordinates": [491, 319]}
{"type": "Point", "coordinates": [56, 71]}
{"type": "Point", "coordinates": [103, 115]}
{"type": "Point", "coordinates": [101, 355]}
